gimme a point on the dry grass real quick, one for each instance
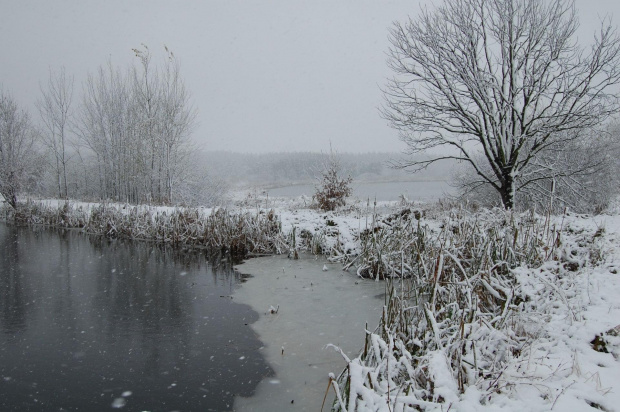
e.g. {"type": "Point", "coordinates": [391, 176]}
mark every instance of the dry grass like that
{"type": "Point", "coordinates": [237, 233]}
{"type": "Point", "coordinates": [452, 296]}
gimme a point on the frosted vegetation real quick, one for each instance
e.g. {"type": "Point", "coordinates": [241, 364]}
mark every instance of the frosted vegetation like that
{"type": "Point", "coordinates": [238, 233]}
{"type": "Point", "coordinates": [474, 305]}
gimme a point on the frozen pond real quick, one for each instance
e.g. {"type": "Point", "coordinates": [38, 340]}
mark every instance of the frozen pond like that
{"type": "Point", "coordinates": [317, 304]}
{"type": "Point", "coordinates": [382, 191]}
{"type": "Point", "coordinates": [90, 324]}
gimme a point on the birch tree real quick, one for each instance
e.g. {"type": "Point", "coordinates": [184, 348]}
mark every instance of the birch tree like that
{"type": "Point", "coordinates": [497, 83]}
{"type": "Point", "coordinates": [19, 162]}
{"type": "Point", "coordinates": [55, 111]}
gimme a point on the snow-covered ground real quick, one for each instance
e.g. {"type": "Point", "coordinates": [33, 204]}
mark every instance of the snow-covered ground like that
{"type": "Point", "coordinates": [560, 370]}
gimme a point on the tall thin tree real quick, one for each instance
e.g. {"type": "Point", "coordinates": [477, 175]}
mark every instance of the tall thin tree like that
{"type": "Point", "coordinates": [19, 160]}
{"type": "Point", "coordinates": [55, 111]}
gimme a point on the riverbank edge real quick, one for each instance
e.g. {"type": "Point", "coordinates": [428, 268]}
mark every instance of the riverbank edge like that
{"type": "Point", "coordinates": [240, 233]}
{"type": "Point", "coordinates": [578, 253]}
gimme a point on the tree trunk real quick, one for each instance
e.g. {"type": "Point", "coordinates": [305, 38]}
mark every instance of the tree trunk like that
{"type": "Point", "coordinates": [12, 200]}
{"type": "Point", "coordinates": [64, 179]}
{"type": "Point", "coordinates": [59, 177]}
{"type": "Point", "coordinates": [507, 191]}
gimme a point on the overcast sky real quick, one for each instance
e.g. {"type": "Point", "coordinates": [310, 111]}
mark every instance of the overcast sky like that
{"type": "Point", "coordinates": [265, 76]}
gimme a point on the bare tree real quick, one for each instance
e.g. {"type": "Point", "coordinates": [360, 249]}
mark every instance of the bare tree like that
{"type": "Point", "coordinates": [105, 126]}
{"type": "Point", "coordinates": [54, 108]}
{"type": "Point", "coordinates": [166, 120]}
{"type": "Point", "coordinates": [145, 86]}
{"type": "Point", "coordinates": [501, 78]}
{"type": "Point", "coordinates": [582, 174]}
{"type": "Point", "coordinates": [137, 123]}
{"type": "Point", "coordinates": [19, 162]}
{"type": "Point", "coordinates": [177, 122]}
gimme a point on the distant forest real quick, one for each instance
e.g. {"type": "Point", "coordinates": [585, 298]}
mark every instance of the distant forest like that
{"type": "Point", "coordinates": [273, 169]}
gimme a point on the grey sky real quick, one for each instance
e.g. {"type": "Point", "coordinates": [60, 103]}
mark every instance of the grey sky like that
{"type": "Point", "coordinates": [282, 75]}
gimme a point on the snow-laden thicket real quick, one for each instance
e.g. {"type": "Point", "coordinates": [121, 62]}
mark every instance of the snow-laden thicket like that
{"type": "Point", "coordinates": [481, 317]}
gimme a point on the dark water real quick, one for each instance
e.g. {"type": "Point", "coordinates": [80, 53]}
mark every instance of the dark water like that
{"type": "Point", "coordinates": [90, 324]}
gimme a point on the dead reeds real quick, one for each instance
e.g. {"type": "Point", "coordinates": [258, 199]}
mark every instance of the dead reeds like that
{"type": "Point", "coordinates": [239, 233]}
{"type": "Point", "coordinates": [455, 311]}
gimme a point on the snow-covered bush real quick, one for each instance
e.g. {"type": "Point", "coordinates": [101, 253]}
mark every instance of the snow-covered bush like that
{"type": "Point", "coordinates": [332, 188]}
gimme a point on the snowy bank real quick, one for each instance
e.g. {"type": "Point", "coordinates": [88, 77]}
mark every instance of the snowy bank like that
{"type": "Point", "coordinates": [500, 315]}
{"type": "Point", "coordinates": [238, 232]}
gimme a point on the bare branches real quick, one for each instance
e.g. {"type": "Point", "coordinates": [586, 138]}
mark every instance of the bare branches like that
{"type": "Point", "coordinates": [19, 162]}
{"type": "Point", "coordinates": [55, 111]}
{"type": "Point", "coordinates": [498, 77]}
{"type": "Point", "coordinates": [580, 172]}
{"type": "Point", "coordinates": [138, 123]}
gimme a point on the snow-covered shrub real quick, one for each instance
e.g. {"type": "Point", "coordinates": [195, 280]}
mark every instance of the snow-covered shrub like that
{"type": "Point", "coordinates": [332, 188]}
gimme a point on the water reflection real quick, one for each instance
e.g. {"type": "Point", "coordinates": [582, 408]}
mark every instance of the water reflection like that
{"type": "Point", "coordinates": [91, 324]}
{"type": "Point", "coordinates": [14, 294]}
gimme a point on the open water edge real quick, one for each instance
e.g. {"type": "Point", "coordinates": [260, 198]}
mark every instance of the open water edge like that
{"type": "Point", "coordinates": [88, 323]}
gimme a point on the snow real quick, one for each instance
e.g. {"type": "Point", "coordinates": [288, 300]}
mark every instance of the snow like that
{"type": "Point", "coordinates": [559, 370]}
{"type": "Point", "coordinates": [316, 308]}
{"type": "Point", "coordinates": [119, 403]}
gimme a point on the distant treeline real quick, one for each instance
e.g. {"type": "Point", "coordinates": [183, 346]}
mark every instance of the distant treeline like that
{"type": "Point", "coordinates": [302, 167]}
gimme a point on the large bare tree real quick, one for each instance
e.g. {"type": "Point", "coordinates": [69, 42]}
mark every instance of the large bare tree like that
{"type": "Point", "coordinates": [496, 83]}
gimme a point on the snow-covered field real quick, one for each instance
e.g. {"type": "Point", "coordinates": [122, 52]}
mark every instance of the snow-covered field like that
{"type": "Point", "coordinates": [565, 302]}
